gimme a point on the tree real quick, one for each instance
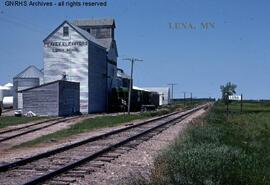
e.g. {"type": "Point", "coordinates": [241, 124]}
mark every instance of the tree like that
{"type": "Point", "coordinates": [227, 90]}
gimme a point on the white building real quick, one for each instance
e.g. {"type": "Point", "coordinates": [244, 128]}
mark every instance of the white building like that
{"type": "Point", "coordinates": [84, 51]}
{"type": "Point", "coordinates": [6, 90]}
{"type": "Point", "coordinates": [164, 94]}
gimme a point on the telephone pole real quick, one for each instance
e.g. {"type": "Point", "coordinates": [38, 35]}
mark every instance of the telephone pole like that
{"type": "Point", "coordinates": [172, 84]}
{"type": "Point", "coordinates": [184, 98]}
{"type": "Point", "coordinates": [186, 92]}
{"type": "Point", "coordinates": [132, 60]}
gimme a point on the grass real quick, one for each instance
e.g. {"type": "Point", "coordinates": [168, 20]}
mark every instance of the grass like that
{"type": "Point", "coordinates": [11, 121]}
{"type": "Point", "coordinates": [99, 122]}
{"type": "Point", "coordinates": [84, 126]}
{"type": "Point", "coordinates": [220, 151]}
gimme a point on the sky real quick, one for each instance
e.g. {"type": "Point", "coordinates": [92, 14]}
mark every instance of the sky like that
{"type": "Point", "coordinates": [236, 48]}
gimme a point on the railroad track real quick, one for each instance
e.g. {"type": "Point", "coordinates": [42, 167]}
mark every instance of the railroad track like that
{"type": "Point", "coordinates": [16, 132]}
{"type": "Point", "coordinates": [23, 130]}
{"type": "Point", "coordinates": [65, 164]}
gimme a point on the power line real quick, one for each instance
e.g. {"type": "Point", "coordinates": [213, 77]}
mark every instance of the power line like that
{"type": "Point", "coordinates": [21, 19]}
{"type": "Point", "coordinates": [132, 60]}
{"type": "Point", "coordinates": [20, 23]}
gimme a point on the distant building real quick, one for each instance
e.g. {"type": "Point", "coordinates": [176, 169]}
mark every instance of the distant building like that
{"type": "Point", "coordinates": [140, 89]}
{"type": "Point", "coordinates": [84, 50]}
{"type": "Point", "coordinates": [123, 79]}
{"type": "Point", "coordinates": [30, 77]}
{"type": "Point", "coordinates": [6, 95]}
{"type": "Point", "coordinates": [164, 94]}
{"type": "Point", "coordinates": [58, 98]}
{"type": "Point", "coordinates": [6, 90]}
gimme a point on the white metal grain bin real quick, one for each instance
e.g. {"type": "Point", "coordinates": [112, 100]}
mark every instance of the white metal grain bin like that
{"type": "Point", "coordinates": [8, 102]}
{"type": "Point", "coordinates": [9, 85]}
{"type": "Point", "coordinates": [28, 78]}
{"type": "Point", "coordinates": [4, 91]}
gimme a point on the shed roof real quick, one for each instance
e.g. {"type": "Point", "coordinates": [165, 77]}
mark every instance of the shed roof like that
{"type": "Point", "coordinates": [95, 22]}
{"type": "Point", "coordinates": [57, 81]}
{"type": "Point", "coordinates": [30, 72]}
{"type": "Point", "coordinates": [158, 89]}
{"type": "Point", "coordinates": [140, 89]}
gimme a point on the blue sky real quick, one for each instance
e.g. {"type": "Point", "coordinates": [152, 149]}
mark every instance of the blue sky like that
{"type": "Point", "coordinates": [236, 49]}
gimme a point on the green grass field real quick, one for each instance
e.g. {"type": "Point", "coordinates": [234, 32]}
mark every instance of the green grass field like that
{"type": "Point", "coordinates": [233, 150]}
{"type": "Point", "coordinates": [11, 120]}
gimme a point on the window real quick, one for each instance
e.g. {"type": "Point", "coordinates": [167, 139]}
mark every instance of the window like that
{"type": "Point", "coordinates": [88, 30]}
{"type": "Point", "coordinates": [65, 31]}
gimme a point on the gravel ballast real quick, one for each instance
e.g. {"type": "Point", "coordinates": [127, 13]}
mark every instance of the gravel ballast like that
{"type": "Point", "coordinates": [136, 162]}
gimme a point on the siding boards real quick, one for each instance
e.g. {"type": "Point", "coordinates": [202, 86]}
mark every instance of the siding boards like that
{"type": "Point", "coordinates": [97, 79]}
{"type": "Point", "coordinates": [60, 98]}
{"type": "Point", "coordinates": [86, 64]}
{"type": "Point", "coordinates": [69, 101]}
{"type": "Point", "coordinates": [42, 100]}
{"type": "Point", "coordinates": [21, 84]}
{"type": "Point", "coordinates": [74, 64]}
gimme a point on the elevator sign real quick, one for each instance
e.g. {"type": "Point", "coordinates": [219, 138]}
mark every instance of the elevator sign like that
{"type": "Point", "coordinates": [235, 97]}
{"type": "Point", "coordinates": [65, 47]}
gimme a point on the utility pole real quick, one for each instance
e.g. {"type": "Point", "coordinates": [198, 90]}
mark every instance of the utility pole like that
{"type": "Point", "coordinates": [132, 60]}
{"type": "Point", "coordinates": [184, 98]}
{"type": "Point", "coordinates": [172, 84]}
{"type": "Point", "coordinates": [191, 97]}
{"type": "Point", "coordinates": [186, 92]}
